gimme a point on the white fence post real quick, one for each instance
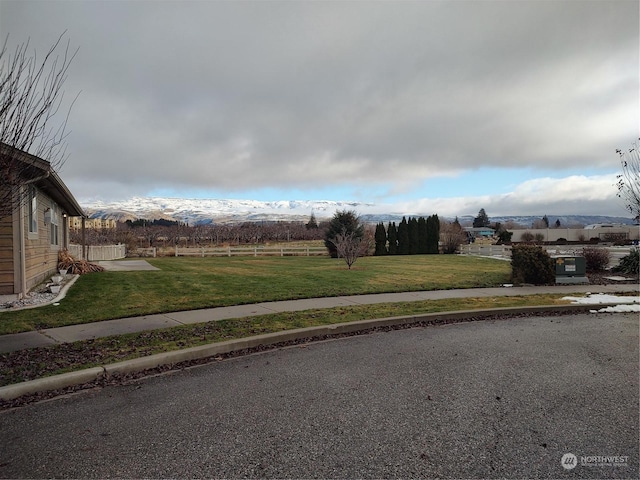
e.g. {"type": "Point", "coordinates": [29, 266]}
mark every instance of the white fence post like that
{"type": "Point", "coordinates": [99, 252]}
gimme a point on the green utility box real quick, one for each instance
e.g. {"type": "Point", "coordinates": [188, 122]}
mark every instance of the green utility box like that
{"type": "Point", "coordinates": [571, 269]}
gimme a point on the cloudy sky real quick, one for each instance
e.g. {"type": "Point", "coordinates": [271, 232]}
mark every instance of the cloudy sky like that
{"type": "Point", "coordinates": [446, 107]}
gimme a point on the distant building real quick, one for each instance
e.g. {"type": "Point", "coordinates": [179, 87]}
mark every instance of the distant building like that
{"type": "Point", "coordinates": [475, 232]}
{"type": "Point", "coordinates": [93, 223]}
{"type": "Point", "coordinates": [605, 232]}
{"type": "Point", "coordinates": [604, 225]}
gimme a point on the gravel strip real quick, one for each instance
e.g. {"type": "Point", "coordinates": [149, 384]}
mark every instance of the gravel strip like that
{"type": "Point", "coordinates": [40, 295]}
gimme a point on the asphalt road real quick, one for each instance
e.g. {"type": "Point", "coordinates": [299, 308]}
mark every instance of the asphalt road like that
{"type": "Point", "coordinates": [504, 398]}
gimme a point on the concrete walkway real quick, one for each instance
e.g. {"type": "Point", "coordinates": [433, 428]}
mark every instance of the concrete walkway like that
{"type": "Point", "coordinates": [72, 333]}
{"type": "Point", "coordinates": [126, 265]}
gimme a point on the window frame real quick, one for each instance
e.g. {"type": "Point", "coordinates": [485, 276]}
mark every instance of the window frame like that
{"type": "Point", "coordinates": [54, 227]}
{"type": "Point", "coordinates": [32, 211]}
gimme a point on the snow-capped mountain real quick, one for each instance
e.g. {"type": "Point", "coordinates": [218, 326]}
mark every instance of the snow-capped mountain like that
{"type": "Point", "coordinates": [204, 211]}
{"type": "Point", "coordinates": [197, 211]}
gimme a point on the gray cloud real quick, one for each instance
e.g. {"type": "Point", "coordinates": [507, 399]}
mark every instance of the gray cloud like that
{"type": "Point", "coordinates": [245, 95]}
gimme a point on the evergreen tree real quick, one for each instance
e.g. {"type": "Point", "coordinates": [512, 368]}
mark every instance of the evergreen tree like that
{"type": "Point", "coordinates": [505, 236]}
{"type": "Point", "coordinates": [433, 234]}
{"type": "Point", "coordinates": [392, 237]}
{"type": "Point", "coordinates": [482, 220]}
{"type": "Point", "coordinates": [403, 237]}
{"type": "Point", "coordinates": [558, 223]}
{"type": "Point", "coordinates": [545, 220]}
{"type": "Point", "coordinates": [342, 223]}
{"type": "Point", "coordinates": [413, 235]}
{"type": "Point", "coordinates": [422, 236]}
{"type": "Point", "coordinates": [313, 224]}
{"type": "Point", "coordinates": [381, 240]}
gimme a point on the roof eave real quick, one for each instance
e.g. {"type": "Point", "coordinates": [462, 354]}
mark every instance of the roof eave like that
{"type": "Point", "coordinates": [58, 191]}
{"type": "Point", "coordinates": [49, 181]}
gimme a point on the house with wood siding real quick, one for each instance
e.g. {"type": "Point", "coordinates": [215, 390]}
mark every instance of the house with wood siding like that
{"type": "Point", "coordinates": [37, 229]}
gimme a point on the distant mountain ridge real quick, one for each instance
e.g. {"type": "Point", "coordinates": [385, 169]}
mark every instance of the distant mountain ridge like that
{"type": "Point", "coordinates": [207, 211]}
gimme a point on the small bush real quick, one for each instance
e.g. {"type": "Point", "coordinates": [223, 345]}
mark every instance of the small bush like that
{"type": "Point", "coordinates": [504, 237]}
{"type": "Point", "coordinates": [539, 237]}
{"type": "Point", "coordinates": [562, 241]}
{"type": "Point", "coordinates": [630, 264]}
{"type": "Point", "coordinates": [531, 264]}
{"type": "Point", "coordinates": [597, 258]}
{"type": "Point", "coordinates": [527, 237]}
{"type": "Point", "coordinates": [451, 237]}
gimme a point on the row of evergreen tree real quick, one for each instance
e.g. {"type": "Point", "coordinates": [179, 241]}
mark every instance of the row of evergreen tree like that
{"type": "Point", "coordinates": [410, 237]}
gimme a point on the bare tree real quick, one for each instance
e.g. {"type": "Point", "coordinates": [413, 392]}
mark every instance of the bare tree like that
{"type": "Point", "coordinates": [629, 180]}
{"type": "Point", "coordinates": [452, 236]}
{"type": "Point", "coordinates": [351, 245]}
{"type": "Point", "coordinates": [30, 97]}
{"type": "Point", "coordinates": [512, 225]}
{"type": "Point", "coordinates": [538, 224]}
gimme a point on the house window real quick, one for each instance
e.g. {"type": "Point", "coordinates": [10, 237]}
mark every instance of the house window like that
{"type": "Point", "coordinates": [32, 207]}
{"type": "Point", "coordinates": [54, 225]}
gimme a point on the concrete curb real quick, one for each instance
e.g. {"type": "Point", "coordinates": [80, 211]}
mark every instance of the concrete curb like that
{"type": "Point", "coordinates": [65, 289]}
{"type": "Point", "coordinates": [55, 382]}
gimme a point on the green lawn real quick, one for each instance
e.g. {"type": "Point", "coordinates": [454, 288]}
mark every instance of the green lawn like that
{"type": "Point", "coordinates": [192, 283]}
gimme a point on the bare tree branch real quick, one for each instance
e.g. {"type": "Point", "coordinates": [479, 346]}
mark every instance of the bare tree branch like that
{"type": "Point", "coordinates": [350, 246]}
{"type": "Point", "coordinates": [31, 96]}
{"type": "Point", "coordinates": [452, 236]}
{"type": "Point", "coordinates": [629, 180]}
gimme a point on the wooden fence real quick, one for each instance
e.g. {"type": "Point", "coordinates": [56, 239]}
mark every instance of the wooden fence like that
{"type": "Point", "coordinates": [96, 253]}
{"type": "Point", "coordinates": [146, 252]}
{"type": "Point", "coordinates": [250, 251]}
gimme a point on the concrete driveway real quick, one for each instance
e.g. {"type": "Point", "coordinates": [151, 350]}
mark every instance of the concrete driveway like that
{"type": "Point", "coordinates": [504, 398]}
{"type": "Point", "coordinates": [126, 265]}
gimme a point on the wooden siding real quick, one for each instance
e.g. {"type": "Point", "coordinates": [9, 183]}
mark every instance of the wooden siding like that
{"type": "Point", "coordinates": [41, 258]}
{"type": "Point", "coordinates": [6, 256]}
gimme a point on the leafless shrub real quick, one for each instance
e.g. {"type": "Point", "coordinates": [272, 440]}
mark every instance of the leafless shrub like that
{"type": "Point", "coordinates": [527, 237]}
{"type": "Point", "coordinates": [597, 259]}
{"type": "Point", "coordinates": [451, 236]}
{"type": "Point", "coordinates": [350, 246]}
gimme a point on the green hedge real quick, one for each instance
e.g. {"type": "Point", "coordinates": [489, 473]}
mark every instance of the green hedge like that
{"type": "Point", "coordinates": [531, 264]}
